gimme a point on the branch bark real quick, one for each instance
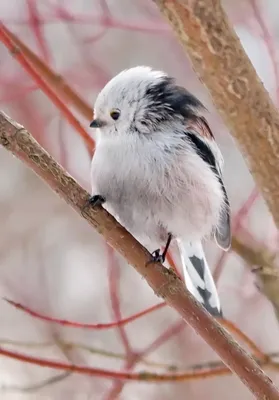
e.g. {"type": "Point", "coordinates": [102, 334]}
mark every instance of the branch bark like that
{"type": "Point", "coordinates": [266, 269]}
{"type": "Point", "coordinates": [164, 282]}
{"type": "Point", "coordinates": [219, 60]}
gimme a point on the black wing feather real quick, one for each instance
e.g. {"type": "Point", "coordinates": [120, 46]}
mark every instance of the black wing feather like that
{"type": "Point", "coordinates": [223, 233]}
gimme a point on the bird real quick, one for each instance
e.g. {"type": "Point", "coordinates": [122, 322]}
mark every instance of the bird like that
{"type": "Point", "coordinates": [158, 170]}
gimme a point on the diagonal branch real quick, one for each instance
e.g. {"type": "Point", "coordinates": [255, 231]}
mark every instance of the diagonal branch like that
{"type": "Point", "coordinates": [5, 37]}
{"type": "Point", "coordinates": [164, 282]}
{"type": "Point", "coordinates": [55, 81]}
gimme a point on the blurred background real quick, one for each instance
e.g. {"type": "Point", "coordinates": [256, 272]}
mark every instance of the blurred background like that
{"type": "Point", "coordinates": [53, 263]}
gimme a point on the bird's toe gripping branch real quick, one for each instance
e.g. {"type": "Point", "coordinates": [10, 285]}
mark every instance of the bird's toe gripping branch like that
{"type": "Point", "coordinates": [97, 200]}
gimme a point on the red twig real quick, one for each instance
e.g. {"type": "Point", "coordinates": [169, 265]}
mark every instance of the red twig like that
{"type": "Point", "coordinates": [114, 277]}
{"type": "Point", "coordinates": [128, 376]}
{"type": "Point", "coordinates": [56, 81]}
{"type": "Point", "coordinates": [163, 338]}
{"type": "Point", "coordinates": [35, 22]}
{"type": "Point", "coordinates": [73, 324]}
{"type": "Point", "coordinates": [8, 42]}
{"type": "Point", "coordinates": [159, 341]}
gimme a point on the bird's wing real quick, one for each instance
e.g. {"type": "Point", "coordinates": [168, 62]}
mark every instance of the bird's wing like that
{"type": "Point", "coordinates": [201, 137]}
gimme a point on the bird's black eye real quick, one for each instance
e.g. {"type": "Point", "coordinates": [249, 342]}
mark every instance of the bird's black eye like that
{"type": "Point", "coordinates": [143, 122]}
{"type": "Point", "coordinates": [115, 114]}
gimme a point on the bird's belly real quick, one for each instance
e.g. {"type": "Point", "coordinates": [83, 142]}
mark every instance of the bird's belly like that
{"type": "Point", "coordinates": [187, 204]}
{"type": "Point", "coordinates": [133, 207]}
{"type": "Point", "coordinates": [188, 213]}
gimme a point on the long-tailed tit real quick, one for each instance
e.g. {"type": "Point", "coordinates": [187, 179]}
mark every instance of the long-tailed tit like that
{"type": "Point", "coordinates": [158, 169]}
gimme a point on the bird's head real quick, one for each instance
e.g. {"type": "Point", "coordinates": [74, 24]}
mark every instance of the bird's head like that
{"type": "Point", "coordinates": [140, 100]}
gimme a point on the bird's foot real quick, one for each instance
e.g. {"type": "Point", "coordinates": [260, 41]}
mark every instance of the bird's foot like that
{"type": "Point", "coordinates": [97, 200]}
{"type": "Point", "coordinates": [157, 257]}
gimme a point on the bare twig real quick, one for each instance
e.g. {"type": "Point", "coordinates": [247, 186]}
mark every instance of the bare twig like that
{"type": "Point", "coordinates": [216, 53]}
{"type": "Point", "coordinates": [55, 80]}
{"type": "Point", "coordinates": [164, 282]}
{"type": "Point", "coordinates": [74, 324]}
{"type": "Point", "coordinates": [28, 66]}
{"type": "Point", "coordinates": [269, 359]}
{"type": "Point", "coordinates": [37, 386]}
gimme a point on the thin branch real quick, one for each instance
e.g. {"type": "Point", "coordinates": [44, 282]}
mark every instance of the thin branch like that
{"type": "Point", "coordinates": [149, 377]}
{"type": "Point", "coordinates": [114, 289]}
{"type": "Point", "coordinates": [74, 324]}
{"type": "Point", "coordinates": [220, 61]}
{"type": "Point", "coordinates": [25, 63]}
{"type": "Point", "coordinates": [55, 80]}
{"type": "Point", "coordinates": [268, 358]}
{"type": "Point", "coordinates": [37, 386]}
{"type": "Point", "coordinates": [164, 282]}
{"type": "Point", "coordinates": [128, 376]}
{"type": "Point", "coordinates": [36, 25]}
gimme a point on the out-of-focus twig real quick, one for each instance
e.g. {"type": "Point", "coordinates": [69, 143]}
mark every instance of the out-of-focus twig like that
{"type": "Point", "coordinates": [55, 80]}
{"type": "Point", "coordinates": [220, 61]}
{"type": "Point", "coordinates": [28, 66]}
{"type": "Point", "coordinates": [164, 282]}
{"type": "Point", "coordinates": [195, 374]}
{"type": "Point", "coordinates": [270, 358]}
{"type": "Point", "coordinates": [114, 278]}
{"type": "Point", "coordinates": [74, 324]}
{"type": "Point", "coordinates": [100, 326]}
{"type": "Point", "coordinates": [37, 386]}
{"type": "Point", "coordinates": [266, 270]}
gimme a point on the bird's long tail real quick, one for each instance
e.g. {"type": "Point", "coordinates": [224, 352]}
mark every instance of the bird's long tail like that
{"type": "Point", "coordinates": [197, 276]}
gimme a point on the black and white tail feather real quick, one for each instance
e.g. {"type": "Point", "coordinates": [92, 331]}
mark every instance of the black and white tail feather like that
{"type": "Point", "coordinates": [197, 276]}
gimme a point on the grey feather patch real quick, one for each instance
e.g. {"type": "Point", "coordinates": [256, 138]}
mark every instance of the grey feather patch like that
{"type": "Point", "coordinates": [222, 233]}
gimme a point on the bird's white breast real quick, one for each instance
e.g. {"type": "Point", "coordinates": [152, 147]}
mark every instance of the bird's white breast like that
{"type": "Point", "coordinates": [153, 190]}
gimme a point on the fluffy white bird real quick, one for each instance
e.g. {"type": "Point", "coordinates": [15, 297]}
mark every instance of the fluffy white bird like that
{"type": "Point", "coordinates": [158, 169]}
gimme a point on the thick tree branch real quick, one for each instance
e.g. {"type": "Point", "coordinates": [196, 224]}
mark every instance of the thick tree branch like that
{"type": "Point", "coordinates": [240, 97]}
{"type": "Point", "coordinates": [163, 281]}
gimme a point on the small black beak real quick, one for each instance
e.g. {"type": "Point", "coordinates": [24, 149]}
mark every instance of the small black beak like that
{"type": "Point", "coordinates": [97, 123]}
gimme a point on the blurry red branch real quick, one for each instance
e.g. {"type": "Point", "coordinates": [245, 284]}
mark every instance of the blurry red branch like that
{"type": "Point", "coordinates": [164, 282]}
{"type": "Point", "coordinates": [201, 373]}
{"type": "Point", "coordinates": [55, 80]}
{"type": "Point", "coordinates": [100, 326]}
{"type": "Point", "coordinates": [28, 66]}
{"type": "Point", "coordinates": [144, 376]}
{"type": "Point", "coordinates": [114, 289]}
{"type": "Point", "coordinates": [73, 324]}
